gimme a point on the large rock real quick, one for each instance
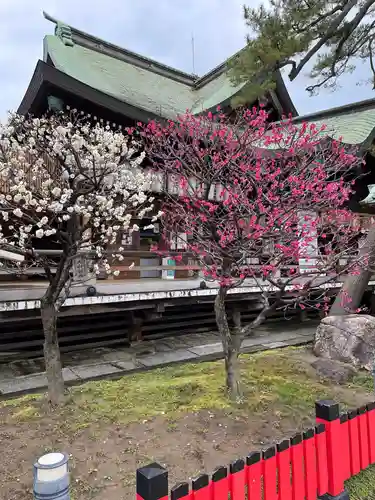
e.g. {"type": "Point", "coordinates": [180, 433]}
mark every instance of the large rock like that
{"type": "Point", "coordinates": [350, 339]}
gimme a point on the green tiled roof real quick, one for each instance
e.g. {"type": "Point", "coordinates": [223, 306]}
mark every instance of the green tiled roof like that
{"type": "Point", "coordinates": [354, 123]}
{"type": "Point", "coordinates": [138, 86]}
{"type": "Point", "coordinates": [167, 92]}
{"type": "Point", "coordinates": [126, 82]}
{"type": "Point", "coordinates": [354, 127]}
{"type": "Point", "coordinates": [215, 92]}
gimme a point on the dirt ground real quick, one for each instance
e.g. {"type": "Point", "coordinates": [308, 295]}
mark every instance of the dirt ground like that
{"type": "Point", "coordinates": [188, 439]}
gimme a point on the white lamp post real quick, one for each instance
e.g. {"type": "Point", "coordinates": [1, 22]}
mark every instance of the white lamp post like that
{"type": "Point", "coordinates": [51, 477]}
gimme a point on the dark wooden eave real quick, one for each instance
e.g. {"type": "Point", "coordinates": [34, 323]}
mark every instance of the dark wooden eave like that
{"type": "Point", "coordinates": [284, 97]}
{"type": "Point", "coordinates": [47, 77]}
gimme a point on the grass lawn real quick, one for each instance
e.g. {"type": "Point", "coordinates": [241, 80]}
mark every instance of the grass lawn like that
{"type": "Point", "coordinates": [177, 416]}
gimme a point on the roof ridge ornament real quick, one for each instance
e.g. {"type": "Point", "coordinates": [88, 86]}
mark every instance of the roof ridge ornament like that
{"type": "Point", "coordinates": [62, 30]}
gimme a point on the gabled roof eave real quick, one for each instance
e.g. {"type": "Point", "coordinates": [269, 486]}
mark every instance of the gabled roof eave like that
{"type": "Point", "coordinates": [47, 74]}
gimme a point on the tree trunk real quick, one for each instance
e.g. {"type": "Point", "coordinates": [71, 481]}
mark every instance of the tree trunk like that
{"type": "Point", "coordinates": [232, 381]}
{"type": "Point", "coordinates": [231, 345]}
{"type": "Point", "coordinates": [350, 296]}
{"type": "Point", "coordinates": [52, 354]}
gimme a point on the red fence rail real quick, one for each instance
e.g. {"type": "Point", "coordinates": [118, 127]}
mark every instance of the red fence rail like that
{"type": "Point", "coordinates": [310, 465]}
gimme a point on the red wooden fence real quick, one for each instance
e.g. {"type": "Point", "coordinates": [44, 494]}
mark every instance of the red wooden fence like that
{"type": "Point", "coordinates": [310, 465]}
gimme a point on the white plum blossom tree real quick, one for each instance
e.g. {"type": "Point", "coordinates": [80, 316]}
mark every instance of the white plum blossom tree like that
{"type": "Point", "coordinates": [71, 183]}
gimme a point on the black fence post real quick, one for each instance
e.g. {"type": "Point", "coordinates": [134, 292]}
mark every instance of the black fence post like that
{"type": "Point", "coordinates": [152, 482]}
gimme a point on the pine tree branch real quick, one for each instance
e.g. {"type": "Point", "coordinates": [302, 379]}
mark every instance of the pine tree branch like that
{"type": "Point", "coordinates": [349, 28]}
{"type": "Point", "coordinates": [320, 18]}
{"type": "Point", "coordinates": [329, 33]}
{"type": "Point", "coordinates": [372, 66]}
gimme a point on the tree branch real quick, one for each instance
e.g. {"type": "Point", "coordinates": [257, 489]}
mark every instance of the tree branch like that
{"type": "Point", "coordinates": [330, 32]}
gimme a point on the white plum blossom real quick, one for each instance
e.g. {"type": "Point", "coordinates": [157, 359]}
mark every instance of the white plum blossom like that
{"type": "Point", "coordinates": [17, 212]}
{"type": "Point", "coordinates": [64, 178]}
{"type": "Point", "coordinates": [157, 216]}
{"type": "Point", "coordinates": [76, 187]}
{"type": "Point", "coordinates": [50, 232]}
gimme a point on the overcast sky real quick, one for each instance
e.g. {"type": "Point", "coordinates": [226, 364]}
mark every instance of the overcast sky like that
{"type": "Point", "coordinates": [161, 30]}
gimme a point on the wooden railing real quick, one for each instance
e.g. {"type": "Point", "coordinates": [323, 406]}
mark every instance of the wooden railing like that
{"type": "Point", "coordinates": [132, 267]}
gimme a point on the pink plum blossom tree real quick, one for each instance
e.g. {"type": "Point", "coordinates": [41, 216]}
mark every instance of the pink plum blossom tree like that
{"type": "Point", "coordinates": [71, 183]}
{"type": "Point", "coordinates": [257, 204]}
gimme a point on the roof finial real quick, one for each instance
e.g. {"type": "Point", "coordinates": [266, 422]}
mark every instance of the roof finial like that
{"type": "Point", "coordinates": [63, 31]}
{"type": "Point", "coordinates": [49, 18]}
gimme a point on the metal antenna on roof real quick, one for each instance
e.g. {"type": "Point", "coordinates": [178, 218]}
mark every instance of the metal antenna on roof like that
{"type": "Point", "coordinates": [193, 52]}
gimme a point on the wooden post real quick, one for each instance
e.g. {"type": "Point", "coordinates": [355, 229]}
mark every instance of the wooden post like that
{"type": "Point", "coordinates": [135, 328]}
{"type": "Point", "coordinates": [303, 315]}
